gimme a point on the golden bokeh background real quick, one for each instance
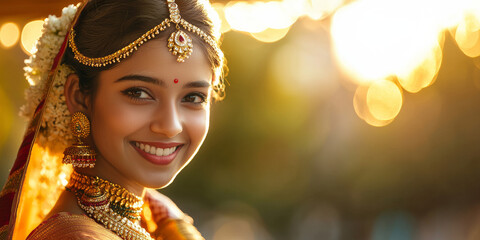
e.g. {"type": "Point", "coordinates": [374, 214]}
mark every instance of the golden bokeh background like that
{"type": "Point", "coordinates": [343, 119]}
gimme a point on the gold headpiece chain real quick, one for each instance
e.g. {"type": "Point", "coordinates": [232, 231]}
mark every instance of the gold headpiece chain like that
{"type": "Point", "coordinates": [179, 43]}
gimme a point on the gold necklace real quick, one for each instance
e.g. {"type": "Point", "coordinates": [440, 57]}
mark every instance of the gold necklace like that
{"type": "Point", "coordinates": [109, 204]}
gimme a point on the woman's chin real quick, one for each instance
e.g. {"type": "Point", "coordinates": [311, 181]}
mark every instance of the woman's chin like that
{"type": "Point", "coordinates": [158, 183]}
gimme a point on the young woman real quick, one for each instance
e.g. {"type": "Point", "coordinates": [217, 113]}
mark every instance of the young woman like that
{"type": "Point", "coordinates": [123, 90]}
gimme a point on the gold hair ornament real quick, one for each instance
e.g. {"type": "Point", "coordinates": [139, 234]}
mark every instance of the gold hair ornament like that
{"type": "Point", "coordinates": [179, 43]}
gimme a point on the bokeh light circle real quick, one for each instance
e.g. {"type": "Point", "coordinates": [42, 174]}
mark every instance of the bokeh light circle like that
{"type": "Point", "coordinates": [384, 100]}
{"type": "Point", "coordinates": [362, 110]}
{"type": "Point", "coordinates": [270, 35]}
{"type": "Point", "coordinates": [9, 34]}
{"type": "Point", "coordinates": [30, 34]}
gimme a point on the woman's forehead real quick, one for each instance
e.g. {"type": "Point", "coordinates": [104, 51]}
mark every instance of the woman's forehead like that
{"type": "Point", "coordinates": [154, 60]}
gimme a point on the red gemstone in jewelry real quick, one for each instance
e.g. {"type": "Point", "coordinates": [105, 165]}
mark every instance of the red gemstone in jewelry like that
{"type": "Point", "coordinates": [175, 80]}
{"type": "Point", "coordinates": [180, 45]}
{"type": "Point", "coordinates": [181, 38]}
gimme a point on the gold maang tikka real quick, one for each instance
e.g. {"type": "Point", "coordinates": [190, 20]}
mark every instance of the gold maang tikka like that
{"type": "Point", "coordinates": [80, 154]}
{"type": "Point", "coordinates": [179, 43]}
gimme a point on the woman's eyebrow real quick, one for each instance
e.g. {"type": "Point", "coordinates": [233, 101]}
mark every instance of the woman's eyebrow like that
{"type": "Point", "coordinates": [197, 84]}
{"type": "Point", "coordinates": [136, 77]}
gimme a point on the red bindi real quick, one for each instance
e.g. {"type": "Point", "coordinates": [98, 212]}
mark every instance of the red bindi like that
{"type": "Point", "coordinates": [175, 80]}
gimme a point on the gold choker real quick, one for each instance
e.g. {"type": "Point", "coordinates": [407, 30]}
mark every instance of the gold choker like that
{"type": "Point", "coordinates": [179, 43]}
{"type": "Point", "coordinates": [109, 204]}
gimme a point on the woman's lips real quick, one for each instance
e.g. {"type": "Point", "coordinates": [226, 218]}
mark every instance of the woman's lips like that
{"type": "Point", "coordinates": [158, 153]}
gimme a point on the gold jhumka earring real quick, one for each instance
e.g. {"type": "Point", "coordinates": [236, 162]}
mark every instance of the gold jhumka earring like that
{"type": "Point", "coordinates": [80, 154]}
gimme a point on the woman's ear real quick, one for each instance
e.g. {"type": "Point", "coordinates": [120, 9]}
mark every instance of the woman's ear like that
{"type": "Point", "coordinates": [76, 100]}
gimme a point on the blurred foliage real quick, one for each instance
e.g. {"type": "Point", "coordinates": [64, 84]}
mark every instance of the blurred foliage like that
{"type": "Point", "coordinates": [266, 149]}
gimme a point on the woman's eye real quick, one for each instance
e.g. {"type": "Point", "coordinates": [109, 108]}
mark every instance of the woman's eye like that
{"type": "Point", "coordinates": [137, 93]}
{"type": "Point", "coordinates": [197, 98]}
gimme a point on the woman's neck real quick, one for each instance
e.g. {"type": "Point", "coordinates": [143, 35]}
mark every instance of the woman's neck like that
{"type": "Point", "coordinates": [104, 170]}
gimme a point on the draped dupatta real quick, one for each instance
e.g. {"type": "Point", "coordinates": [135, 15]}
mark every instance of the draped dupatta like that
{"type": "Point", "coordinates": [19, 212]}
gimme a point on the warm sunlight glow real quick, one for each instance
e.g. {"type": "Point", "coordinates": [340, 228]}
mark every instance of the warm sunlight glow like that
{"type": "Point", "coordinates": [276, 14]}
{"type": "Point", "coordinates": [262, 19]}
{"type": "Point", "coordinates": [318, 9]}
{"type": "Point", "coordinates": [63, 179]}
{"type": "Point", "coordinates": [225, 27]}
{"type": "Point", "coordinates": [30, 33]}
{"type": "Point", "coordinates": [424, 74]}
{"type": "Point", "coordinates": [401, 40]}
{"type": "Point", "coordinates": [384, 100]}
{"type": "Point", "coordinates": [467, 34]}
{"type": "Point", "coordinates": [271, 35]}
{"type": "Point", "coordinates": [243, 16]}
{"type": "Point", "coordinates": [258, 16]}
{"type": "Point", "coordinates": [362, 110]}
{"type": "Point", "coordinates": [9, 34]}
{"type": "Point", "coordinates": [375, 39]}
{"type": "Point", "coordinates": [30, 81]}
{"type": "Point", "coordinates": [303, 66]}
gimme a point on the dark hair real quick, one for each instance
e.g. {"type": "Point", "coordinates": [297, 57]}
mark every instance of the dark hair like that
{"type": "Point", "coordinates": [105, 26]}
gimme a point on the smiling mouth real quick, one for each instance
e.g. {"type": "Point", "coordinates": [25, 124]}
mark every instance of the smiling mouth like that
{"type": "Point", "coordinates": [157, 151]}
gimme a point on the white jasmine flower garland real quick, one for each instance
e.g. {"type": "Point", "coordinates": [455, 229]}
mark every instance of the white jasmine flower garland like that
{"type": "Point", "coordinates": [54, 131]}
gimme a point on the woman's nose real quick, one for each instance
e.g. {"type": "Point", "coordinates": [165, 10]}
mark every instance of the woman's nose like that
{"type": "Point", "coordinates": [167, 121]}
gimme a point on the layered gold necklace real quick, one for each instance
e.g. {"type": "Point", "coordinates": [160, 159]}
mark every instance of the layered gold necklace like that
{"type": "Point", "coordinates": [110, 205]}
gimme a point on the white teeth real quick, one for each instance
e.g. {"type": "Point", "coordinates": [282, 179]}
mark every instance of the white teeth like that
{"type": "Point", "coordinates": [154, 150]}
{"type": "Point", "coordinates": [159, 152]}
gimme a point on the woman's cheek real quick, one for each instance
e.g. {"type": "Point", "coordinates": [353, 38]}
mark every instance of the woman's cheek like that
{"type": "Point", "coordinates": [199, 124]}
{"type": "Point", "coordinates": [118, 118]}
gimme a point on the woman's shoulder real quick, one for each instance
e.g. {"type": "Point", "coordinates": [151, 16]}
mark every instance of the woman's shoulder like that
{"type": "Point", "coordinates": [64, 225]}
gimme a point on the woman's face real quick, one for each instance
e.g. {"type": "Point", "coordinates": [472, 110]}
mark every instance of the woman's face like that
{"type": "Point", "coordinates": [150, 114]}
